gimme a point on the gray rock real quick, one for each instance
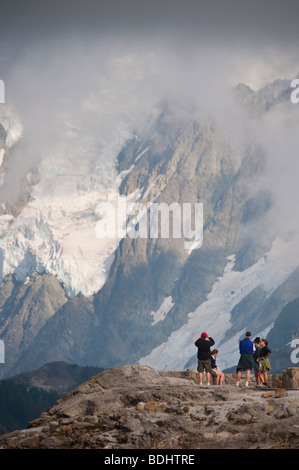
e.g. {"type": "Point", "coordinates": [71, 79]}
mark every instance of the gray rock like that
{"type": "Point", "coordinates": [177, 413]}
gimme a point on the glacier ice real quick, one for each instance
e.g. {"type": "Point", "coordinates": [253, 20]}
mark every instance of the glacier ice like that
{"type": "Point", "coordinates": [55, 231]}
{"type": "Point", "coordinates": [161, 313]}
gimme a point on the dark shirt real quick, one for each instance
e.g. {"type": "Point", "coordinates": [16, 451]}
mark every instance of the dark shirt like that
{"type": "Point", "coordinates": [256, 353]}
{"type": "Point", "coordinates": [203, 348]}
{"type": "Point", "coordinates": [264, 351]}
{"type": "Point", "coordinates": [213, 362]}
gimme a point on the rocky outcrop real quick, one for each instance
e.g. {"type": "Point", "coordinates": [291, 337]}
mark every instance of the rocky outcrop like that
{"type": "Point", "coordinates": [290, 377]}
{"type": "Point", "coordinates": [25, 395]}
{"type": "Point", "coordinates": [137, 407]}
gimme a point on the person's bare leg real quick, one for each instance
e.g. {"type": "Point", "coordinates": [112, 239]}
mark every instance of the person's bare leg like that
{"type": "Point", "coordinates": [208, 378]}
{"type": "Point", "coordinates": [257, 377]}
{"type": "Point", "coordinates": [266, 377]}
{"type": "Point", "coordinates": [239, 374]}
{"type": "Point", "coordinates": [247, 377]}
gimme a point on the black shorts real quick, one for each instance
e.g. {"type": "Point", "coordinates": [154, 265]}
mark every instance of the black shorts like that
{"type": "Point", "coordinates": [204, 364]}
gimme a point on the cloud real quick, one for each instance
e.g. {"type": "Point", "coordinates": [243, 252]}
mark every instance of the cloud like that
{"type": "Point", "coordinates": [91, 67]}
{"type": "Point", "coordinates": [281, 141]}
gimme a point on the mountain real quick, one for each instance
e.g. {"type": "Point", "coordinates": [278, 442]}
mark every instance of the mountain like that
{"type": "Point", "coordinates": [60, 377]}
{"type": "Point", "coordinates": [72, 293]}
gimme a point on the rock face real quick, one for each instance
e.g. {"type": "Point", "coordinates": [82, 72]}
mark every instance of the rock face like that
{"type": "Point", "coordinates": [137, 407]}
{"type": "Point", "coordinates": [24, 308]}
{"type": "Point", "coordinates": [290, 377]}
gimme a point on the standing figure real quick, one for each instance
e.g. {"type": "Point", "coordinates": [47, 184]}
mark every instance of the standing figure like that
{"type": "Point", "coordinates": [264, 363]}
{"type": "Point", "coordinates": [203, 345]}
{"type": "Point", "coordinates": [256, 355]}
{"type": "Point", "coordinates": [246, 361]}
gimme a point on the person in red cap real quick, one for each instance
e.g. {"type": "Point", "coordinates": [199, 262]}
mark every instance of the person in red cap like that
{"type": "Point", "coordinates": [203, 345]}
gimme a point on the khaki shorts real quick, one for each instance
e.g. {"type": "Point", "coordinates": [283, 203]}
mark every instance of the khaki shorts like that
{"type": "Point", "coordinates": [204, 365]}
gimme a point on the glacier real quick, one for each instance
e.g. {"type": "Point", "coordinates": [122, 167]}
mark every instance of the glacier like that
{"type": "Point", "coordinates": [55, 231]}
{"type": "Point", "coordinates": [77, 153]}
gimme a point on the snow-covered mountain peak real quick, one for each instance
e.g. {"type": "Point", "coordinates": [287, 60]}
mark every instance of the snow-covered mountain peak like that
{"type": "Point", "coordinates": [55, 231]}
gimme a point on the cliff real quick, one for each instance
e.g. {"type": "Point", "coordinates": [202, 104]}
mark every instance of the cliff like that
{"type": "Point", "coordinates": [138, 407]}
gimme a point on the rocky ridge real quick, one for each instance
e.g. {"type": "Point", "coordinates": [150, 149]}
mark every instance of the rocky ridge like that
{"type": "Point", "coordinates": [138, 407]}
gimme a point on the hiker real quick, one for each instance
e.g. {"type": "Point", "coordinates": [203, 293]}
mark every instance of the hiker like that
{"type": "Point", "coordinates": [219, 376]}
{"type": "Point", "coordinates": [203, 345]}
{"type": "Point", "coordinates": [246, 361]}
{"type": "Point", "coordinates": [256, 353]}
{"type": "Point", "coordinates": [264, 363]}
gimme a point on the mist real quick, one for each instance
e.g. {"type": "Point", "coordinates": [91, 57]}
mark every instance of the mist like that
{"type": "Point", "coordinates": [78, 75]}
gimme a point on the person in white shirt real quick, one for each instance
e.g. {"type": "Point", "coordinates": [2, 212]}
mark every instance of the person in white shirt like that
{"type": "Point", "coordinates": [219, 376]}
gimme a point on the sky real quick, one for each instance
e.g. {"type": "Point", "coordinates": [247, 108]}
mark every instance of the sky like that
{"type": "Point", "coordinates": [263, 33]}
{"type": "Point", "coordinates": [217, 40]}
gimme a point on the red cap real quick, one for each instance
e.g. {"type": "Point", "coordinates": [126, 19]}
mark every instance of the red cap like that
{"type": "Point", "coordinates": [204, 335]}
